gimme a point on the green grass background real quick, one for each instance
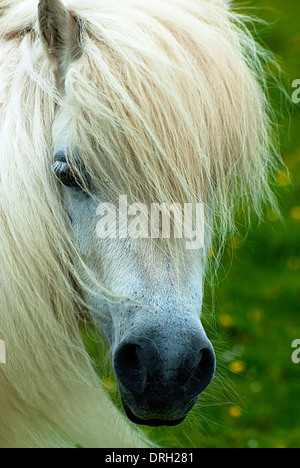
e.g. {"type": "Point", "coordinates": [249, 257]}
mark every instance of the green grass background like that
{"type": "Point", "coordinates": [254, 313]}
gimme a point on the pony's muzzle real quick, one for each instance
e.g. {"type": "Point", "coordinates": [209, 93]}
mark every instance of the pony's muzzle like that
{"type": "Point", "coordinates": [160, 381]}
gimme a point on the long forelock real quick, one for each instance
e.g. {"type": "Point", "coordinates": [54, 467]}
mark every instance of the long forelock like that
{"type": "Point", "coordinates": [171, 106]}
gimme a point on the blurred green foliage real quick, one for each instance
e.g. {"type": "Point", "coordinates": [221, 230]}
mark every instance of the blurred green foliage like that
{"type": "Point", "coordinates": [255, 317]}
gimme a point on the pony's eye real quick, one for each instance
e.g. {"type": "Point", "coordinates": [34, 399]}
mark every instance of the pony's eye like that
{"type": "Point", "coordinates": [67, 176]}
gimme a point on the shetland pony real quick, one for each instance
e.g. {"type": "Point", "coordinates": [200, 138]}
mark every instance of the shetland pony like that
{"type": "Point", "coordinates": [161, 101]}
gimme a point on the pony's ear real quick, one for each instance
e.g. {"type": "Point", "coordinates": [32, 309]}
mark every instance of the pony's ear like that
{"type": "Point", "coordinates": [59, 31]}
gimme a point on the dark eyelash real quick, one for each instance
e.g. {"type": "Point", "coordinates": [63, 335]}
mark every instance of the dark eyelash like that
{"type": "Point", "coordinates": [67, 176]}
{"type": "Point", "coordinates": [72, 178]}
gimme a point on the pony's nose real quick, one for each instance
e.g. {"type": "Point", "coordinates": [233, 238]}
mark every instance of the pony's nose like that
{"type": "Point", "coordinates": [141, 365]}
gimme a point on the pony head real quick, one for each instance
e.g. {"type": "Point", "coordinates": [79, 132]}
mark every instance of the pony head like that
{"type": "Point", "coordinates": [149, 110]}
{"type": "Point", "coordinates": [129, 104]}
{"type": "Point", "coordinates": [145, 297]}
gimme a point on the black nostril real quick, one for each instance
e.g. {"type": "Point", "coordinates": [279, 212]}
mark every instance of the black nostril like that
{"type": "Point", "coordinates": [129, 368]}
{"type": "Point", "coordinates": [203, 373]}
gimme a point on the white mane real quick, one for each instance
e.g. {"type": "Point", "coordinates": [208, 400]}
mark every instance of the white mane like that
{"type": "Point", "coordinates": [172, 96]}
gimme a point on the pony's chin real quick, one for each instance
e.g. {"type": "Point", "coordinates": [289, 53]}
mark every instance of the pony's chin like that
{"type": "Point", "coordinates": [151, 421]}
